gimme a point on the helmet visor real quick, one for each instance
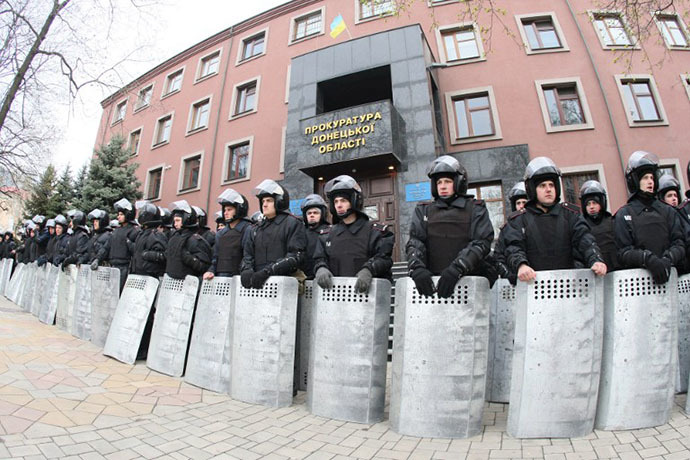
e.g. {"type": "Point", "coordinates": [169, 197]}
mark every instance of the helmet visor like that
{"type": "Point", "coordinates": [443, 164]}
{"type": "Point", "coordinates": [342, 183]}
{"type": "Point", "coordinates": [591, 187]}
{"type": "Point", "coordinates": [268, 187]}
{"type": "Point", "coordinates": [540, 166]}
{"type": "Point", "coordinates": [181, 206]}
{"type": "Point", "coordinates": [230, 196]}
{"type": "Point", "coordinates": [123, 203]}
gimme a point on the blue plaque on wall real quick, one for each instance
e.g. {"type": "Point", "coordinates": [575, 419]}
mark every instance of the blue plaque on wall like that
{"type": "Point", "coordinates": [421, 191]}
{"type": "Point", "coordinates": [295, 207]}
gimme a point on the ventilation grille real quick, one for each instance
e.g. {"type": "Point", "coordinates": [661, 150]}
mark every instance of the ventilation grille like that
{"type": "Point", "coordinates": [103, 275]}
{"type": "Point", "coordinates": [343, 293]}
{"type": "Point", "coordinates": [570, 288]}
{"type": "Point", "coordinates": [308, 292]}
{"type": "Point", "coordinates": [683, 286]}
{"type": "Point", "coordinates": [172, 284]}
{"type": "Point", "coordinates": [639, 286]}
{"type": "Point", "coordinates": [135, 283]}
{"type": "Point", "coordinates": [220, 288]}
{"type": "Point", "coordinates": [269, 291]}
{"type": "Point", "coordinates": [508, 293]}
{"type": "Point", "coordinates": [84, 272]}
{"type": "Point", "coordinates": [460, 296]}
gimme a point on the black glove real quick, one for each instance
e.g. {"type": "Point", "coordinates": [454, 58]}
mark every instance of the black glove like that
{"type": "Point", "coordinates": [148, 256]}
{"type": "Point", "coordinates": [94, 264]}
{"type": "Point", "coordinates": [449, 278]}
{"type": "Point", "coordinates": [192, 262]}
{"type": "Point", "coordinates": [363, 283]}
{"type": "Point", "coordinates": [422, 280]}
{"type": "Point", "coordinates": [259, 278]}
{"type": "Point", "coordinates": [660, 268]}
{"type": "Point", "coordinates": [246, 279]}
{"type": "Point", "coordinates": [41, 261]}
{"type": "Point", "coordinates": [324, 278]}
{"type": "Point", "coordinates": [64, 265]}
{"type": "Point", "coordinates": [502, 270]}
{"type": "Point", "coordinates": [512, 278]}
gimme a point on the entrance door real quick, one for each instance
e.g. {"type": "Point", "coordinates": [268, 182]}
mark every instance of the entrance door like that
{"type": "Point", "coordinates": [380, 204]}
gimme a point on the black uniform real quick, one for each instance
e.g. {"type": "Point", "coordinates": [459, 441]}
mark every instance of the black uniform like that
{"type": "Point", "coordinates": [314, 234]}
{"type": "Point", "coordinates": [50, 248]}
{"type": "Point", "coordinates": [77, 248]}
{"type": "Point", "coordinates": [41, 240]}
{"type": "Point", "coordinates": [99, 246]}
{"type": "Point", "coordinates": [149, 253]}
{"type": "Point", "coordinates": [121, 249]}
{"type": "Point", "coordinates": [228, 249]}
{"type": "Point", "coordinates": [549, 240]}
{"type": "Point", "coordinates": [603, 229]}
{"type": "Point", "coordinates": [30, 250]}
{"type": "Point", "coordinates": [187, 254]}
{"type": "Point", "coordinates": [346, 249]}
{"type": "Point", "coordinates": [208, 235]}
{"type": "Point", "coordinates": [61, 248]}
{"type": "Point", "coordinates": [10, 246]}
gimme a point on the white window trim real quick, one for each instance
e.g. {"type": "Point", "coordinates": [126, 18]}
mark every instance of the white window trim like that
{"type": "Point", "coordinates": [452, 122]}
{"type": "Point", "coordinates": [165, 82]}
{"type": "Point", "coordinates": [431, 4]}
{"type": "Point", "coordinates": [190, 117]}
{"type": "Point", "coordinates": [624, 20]}
{"type": "Point", "coordinates": [113, 122]}
{"type": "Point", "coordinates": [675, 162]}
{"type": "Point", "coordinates": [556, 25]}
{"type": "Point", "coordinates": [129, 139]}
{"type": "Point", "coordinates": [294, 19]}
{"type": "Point", "coordinates": [198, 78]}
{"type": "Point", "coordinates": [232, 116]}
{"type": "Point", "coordinates": [681, 24]}
{"type": "Point", "coordinates": [148, 176]}
{"type": "Point", "coordinates": [685, 78]}
{"type": "Point", "coordinates": [240, 48]}
{"type": "Point", "coordinates": [442, 47]}
{"type": "Point", "coordinates": [226, 160]}
{"type": "Point", "coordinates": [583, 169]}
{"type": "Point", "coordinates": [180, 178]}
{"type": "Point", "coordinates": [155, 130]}
{"type": "Point", "coordinates": [657, 99]}
{"type": "Point", "coordinates": [283, 140]}
{"type": "Point", "coordinates": [287, 83]}
{"type": "Point", "coordinates": [358, 13]}
{"type": "Point", "coordinates": [539, 85]}
{"type": "Point", "coordinates": [153, 87]}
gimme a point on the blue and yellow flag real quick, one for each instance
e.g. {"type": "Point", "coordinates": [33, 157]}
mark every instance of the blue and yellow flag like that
{"type": "Point", "coordinates": [337, 26]}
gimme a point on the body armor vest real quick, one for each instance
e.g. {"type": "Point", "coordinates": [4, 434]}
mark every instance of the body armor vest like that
{"type": "Point", "coordinates": [312, 240]}
{"type": "Point", "coordinates": [651, 230]}
{"type": "Point", "coordinates": [119, 251]}
{"type": "Point", "coordinates": [269, 243]}
{"type": "Point", "coordinates": [348, 253]}
{"type": "Point", "coordinates": [144, 242]}
{"type": "Point", "coordinates": [448, 232]}
{"type": "Point", "coordinates": [604, 233]}
{"type": "Point", "coordinates": [548, 241]}
{"type": "Point", "coordinates": [174, 267]}
{"type": "Point", "coordinates": [229, 252]}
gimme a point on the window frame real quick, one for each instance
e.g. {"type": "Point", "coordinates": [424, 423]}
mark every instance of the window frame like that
{"type": "Point", "coordinates": [503, 200]}
{"type": "Point", "coordinates": [147, 182]}
{"type": "Point", "coordinates": [432, 3]}
{"type": "Point", "coordinates": [180, 181]}
{"type": "Point", "coordinates": [659, 17]}
{"type": "Point", "coordinates": [663, 118]}
{"type": "Point", "coordinates": [358, 11]}
{"type": "Point", "coordinates": [675, 164]}
{"type": "Point", "coordinates": [594, 14]}
{"type": "Point", "coordinates": [181, 70]}
{"type": "Point", "coordinates": [243, 41]}
{"type": "Point", "coordinates": [226, 160]}
{"type": "Point", "coordinates": [562, 82]}
{"type": "Point", "coordinates": [450, 97]}
{"type": "Point", "coordinates": [597, 168]}
{"type": "Point", "coordinates": [192, 115]}
{"type": "Point", "coordinates": [154, 144]}
{"type": "Point", "coordinates": [534, 17]}
{"type": "Point", "coordinates": [685, 78]}
{"type": "Point", "coordinates": [439, 31]}
{"type": "Point", "coordinates": [235, 93]}
{"type": "Point", "coordinates": [129, 140]}
{"type": "Point", "coordinates": [293, 24]}
{"type": "Point", "coordinates": [137, 107]}
{"type": "Point", "coordinates": [200, 65]}
{"type": "Point", "coordinates": [116, 112]}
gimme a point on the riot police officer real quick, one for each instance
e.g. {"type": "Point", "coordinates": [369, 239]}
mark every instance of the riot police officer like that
{"type": "Point", "coordinates": [10, 245]}
{"type": "Point", "coordinates": [518, 199]}
{"type": "Point", "coordinates": [276, 244]}
{"type": "Point", "coordinates": [649, 233]}
{"type": "Point", "coordinates": [314, 216]}
{"type": "Point", "coordinates": [122, 242]}
{"type": "Point", "coordinates": [353, 246]}
{"type": "Point", "coordinates": [669, 190]}
{"type": "Point", "coordinates": [50, 247]}
{"type": "Point", "coordinates": [150, 246]}
{"type": "Point", "coordinates": [228, 248]}
{"type": "Point", "coordinates": [61, 240]}
{"type": "Point", "coordinates": [450, 236]}
{"type": "Point", "coordinates": [41, 237]}
{"type": "Point", "coordinates": [187, 253]}
{"type": "Point", "coordinates": [204, 231]}
{"type": "Point", "coordinates": [547, 234]}
{"type": "Point", "coordinates": [220, 221]}
{"type": "Point", "coordinates": [166, 224]}
{"type": "Point", "coordinates": [99, 246]}
{"type": "Point", "coordinates": [78, 245]}
{"type": "Point", "coordinates": [593, 202]}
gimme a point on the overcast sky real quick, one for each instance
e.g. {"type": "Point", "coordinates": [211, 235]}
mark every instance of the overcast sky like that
{"type": "Point", "coordinates": [178, 24]}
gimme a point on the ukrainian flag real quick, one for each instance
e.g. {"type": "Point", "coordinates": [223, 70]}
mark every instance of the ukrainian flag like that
{"type": "Point", "coordinates": [337, 26]}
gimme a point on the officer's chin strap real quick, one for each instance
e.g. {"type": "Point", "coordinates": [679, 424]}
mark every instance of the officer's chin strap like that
{"type": "Point", "coordinates": [346, 214]}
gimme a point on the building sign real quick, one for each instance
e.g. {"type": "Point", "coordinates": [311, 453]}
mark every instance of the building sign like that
{"type": "Point", "coordinates": [296, 207]}
{"type": "Point", "coordinates": [421, 191]}
{"type": "Point", "coordinates": [344, 133]}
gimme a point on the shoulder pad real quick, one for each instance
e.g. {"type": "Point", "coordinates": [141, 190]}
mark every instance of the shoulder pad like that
{"type": "Point", "coordinates": [571, 207]}
{"type": "Point", "coordinates": [325, 230]}
{"type": "Point", "coordinates": [380, 227]}
{"type": "Point", "coordinates": [514, 214]}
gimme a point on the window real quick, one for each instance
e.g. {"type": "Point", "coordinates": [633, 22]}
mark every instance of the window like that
{"type": "Point", "coordinates": [460, 43]}
{"type": "Point", "coordinates": [253, 46]}
{"type": "Point", "coordinates": [308, 25]}
{"type": "Point", "coordinates": [191, 168]}
{"type": "Point", "coordinates": [492, 194]}
{"type": "Point", "coordinates": [238, 161]}
{"type": "Point", "coordinates": [563, 105]}
{"type": "Point", "coordinates": [163, 127]}
{"type": "Point", "coordinates": [472, 115]}
{"type": "Point", "coordinates": [208, 65]}
{"type": "Point", "coordinates": [440, 2]}
{"type": "Point", "coordinates": [541, 33]}
{"type": "Point", "coordinates": [199, 115]}
{"type": "Point", "coordinates": [134, 140]}
{"type": "Point", "coordinates": [685, 78]}
{"type": "Point", "coordinates": [672, 30]}
{"type": "Point", "coordinates": [245, 98]}
{"type": "Point", "coordinates": [173, 82]}
{"type": "Point", "coordinates": [154, 180]}
{"type": "Point", "coordinates": [369, 9]}
{"type": "Point", "coordinates": [641, 100]}
{"type": "Point", "coordinates": [144, 98]}
{"type": "Point", "coordinates": [572, 183]}
{"type": "Point", "coordinates": [611, 30]}
{"type": "Point", "coordinates": [120, 110]}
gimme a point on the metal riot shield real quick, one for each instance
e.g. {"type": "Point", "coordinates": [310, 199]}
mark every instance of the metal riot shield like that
{"type": "Point", "coordinates": [440, 350]}
{"type": "Point", "coordinates": [640, 351]}
{"type": "Point", "coordinates": [349, 351]}
{"type": "Point", "coordinates": [683, 370]}
{"type": "Point", "coordinates": [67, 291]}
{"type": "Point", "coordinates": [50, 298]}
{"type": "Point", "coordinates": [81, 320]}
{"type": "Point", "coordinates": [105, 294]}
{"type": "Point", "coordinates": [501, 335]}
{"type": "Point", "coordinates": [171, 326]}
{"type": "Point", "coordinates": [27, 288]}
{"type": "Point", "coordinates": [129, 321]}
{"type": "Point", "coordinates": [39, 289]}
{"type": "Point", "coordinates": [557, 355]}
{"type": "Point", "coordinates": [263, 345]}
{"type": "Point", "coordinates": [15, 283]}
{"type": "Point", "coordinates": [6, 274]}
{"type": "Point", "coordinates": [210, 349]}
{"type": "Point", "coordinates": [306, 305]}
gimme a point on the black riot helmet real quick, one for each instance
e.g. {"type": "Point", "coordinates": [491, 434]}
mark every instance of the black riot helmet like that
{"type": "Point", "coordinates": [183, 209]}
{"type": "Point", "coordinates": [39, 220]}
{"type": "Point", "coordinates": [201, 216]}
{"type": "Point", "coordinates": [518, 191]}
{"type": "Point", "coordinates": [348, 188]}
{"type": "Point", "coordinates": [219, 217]}
{"type": "Point", "coordinates": [148, 214]}
{"type": "Point", "coordinates": [639, 164]}
{"type": "Point", "coordinates": [230, 197]}
{"type": "Point", "coordinates": [102, 218]}
{"type": "Point", "coordinates": [313, 201]}
{"type": "Point", "coordinates": [271, 188]}
{"type": "Point", "coordinates": [166, 217]}
{"type": "Point", "coordinates": [592, 190]}
{"type": "Point", "coordinates": [256, 217]}
{"type": "Point", "coordinates": [78, 220]}
{"type": "Point", "coordinates": [50, 223]}
{"type": "Point", "coordinates": [61, 220]}
{"type": "Point", "coordinates": [687, 173]}
{"type": "Point", "coordinates": [539, 170]}
{"type": "Point", "coordinates": [447, 166]}
{"type": "Point", "coordinates": [666, 183]}
{"type": "Point", "coordinates": [123, 205]}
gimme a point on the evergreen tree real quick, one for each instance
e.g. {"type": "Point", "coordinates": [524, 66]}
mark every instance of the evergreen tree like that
{"type": "Point", "coordinates": [64, 199]}
{"type": "Point", "coordinates": [78, 190]}
{"type": "Point", "coordinates": [42, 194]}
{"type": "Point", "coordinates": [110, 178]}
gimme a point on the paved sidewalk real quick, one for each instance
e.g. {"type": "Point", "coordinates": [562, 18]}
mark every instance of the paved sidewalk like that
{"type": "Point", "coordinates": [60, 398]}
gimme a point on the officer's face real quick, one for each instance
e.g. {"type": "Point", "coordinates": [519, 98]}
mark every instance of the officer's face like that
{"type": "Point", "coordinates": [671, 197]}
{"type": "Point", "coordinates": [177, 222]}
{"type": "Point", "coordinates": [593, 207]}
{"type": "Point", "coordinates": [444, 186]}
{"type": "Point", "coordinates": [229, 212]}
{"type": "Point", "coordinates": [58, 230]}
{"type": "Point", "coordinates": [220, 226]}
{"type": "Point", "coordinates": [121, 217]}
{"type": "Point", "coordinates": [520, 203]}
{"type": "Point", "coordinates": [96, 225]}
{"type": "Point", "coordinates": [51, 231]}
{"type": "Point", "coordinates": [268, 207]}
{"type": "Point", "coordinates": [313, 215]}
{"type": "Point", "coordinates": [546, 192]}
{"type": "Point", "coordinates": [647, 183]}
{"type": "Point", "coordinates": [341, 204]}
